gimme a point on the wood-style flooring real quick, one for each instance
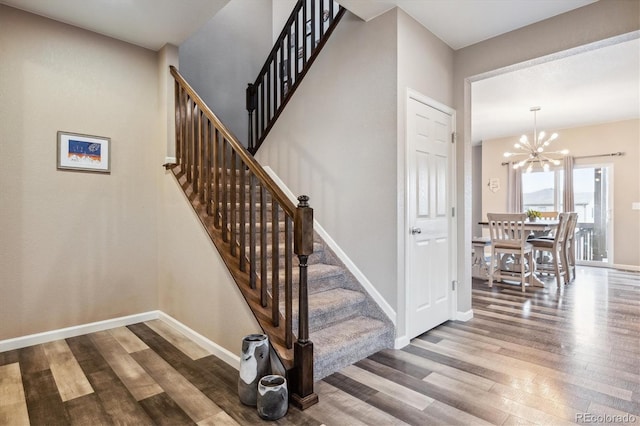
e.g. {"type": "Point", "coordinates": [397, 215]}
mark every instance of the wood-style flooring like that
{"type": "Point", "coordinates": [543, 357]}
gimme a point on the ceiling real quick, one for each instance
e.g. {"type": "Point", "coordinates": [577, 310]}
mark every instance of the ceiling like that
{"type": "Point", "coordinates": [461, 23]}
{"type": "Point", "coordinates": [591, 87]}
{"type": "Point", "coordinates": [146, 23]}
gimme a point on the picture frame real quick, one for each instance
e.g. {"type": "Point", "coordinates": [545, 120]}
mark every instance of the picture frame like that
{"type": "Point", "coordinates": [80, 152]}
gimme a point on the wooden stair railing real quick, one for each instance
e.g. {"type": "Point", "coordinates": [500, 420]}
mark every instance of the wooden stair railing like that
{"type": "Point", "coordinates": [303, 37]}
{"type": "Point", "coordinates": [237, 202]}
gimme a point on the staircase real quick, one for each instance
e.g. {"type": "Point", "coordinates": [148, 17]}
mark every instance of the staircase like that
{"type": "Point", "coordinates": [318, 317]}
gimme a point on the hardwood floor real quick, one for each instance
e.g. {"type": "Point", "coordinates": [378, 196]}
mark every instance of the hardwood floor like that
{"type": "Point", "coordinates": [544, 357]}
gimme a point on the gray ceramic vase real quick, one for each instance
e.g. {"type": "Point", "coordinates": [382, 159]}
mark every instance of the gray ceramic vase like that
{"type": "Point", "coordinates": [254, 364]}
{"type": "Point", "coordinates": [273, 397]}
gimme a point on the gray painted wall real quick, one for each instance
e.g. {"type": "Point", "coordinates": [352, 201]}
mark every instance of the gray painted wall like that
{"type": "Point", "coordinates": [223, 56]}
{"type": "Point", "coordinates": [336, 142]}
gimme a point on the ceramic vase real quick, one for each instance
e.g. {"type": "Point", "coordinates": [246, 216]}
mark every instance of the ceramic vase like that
{"type": "Point", "coordinates": [254, 364]}
{"type": "Point", "coordinates": [273, 397]}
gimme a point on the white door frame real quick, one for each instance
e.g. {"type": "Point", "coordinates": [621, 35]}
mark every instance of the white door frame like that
{"type": "Point", "coordinates": [402, 338]}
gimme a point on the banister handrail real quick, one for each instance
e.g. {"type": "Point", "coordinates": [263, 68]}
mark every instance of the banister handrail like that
{"type": "Point", "coordinates": [244, 154]}
{"type": "Point", "coordinates": [295, 49]}
{"type": "Point", "coordinates": [239, 204]}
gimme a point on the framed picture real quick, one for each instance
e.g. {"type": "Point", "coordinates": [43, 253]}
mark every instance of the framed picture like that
{"type": "Point", "coordinates": [83, 152]}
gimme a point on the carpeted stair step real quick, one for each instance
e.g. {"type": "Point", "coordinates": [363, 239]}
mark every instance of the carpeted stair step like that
{"type": "Point", "coordinates": [332, 306]}
{"type": "Point", "coordinates": [346, 342]}
{"type": "Point", "coordinates": [315, 257]}
{"type": "Point", "coordinates": [320, 277]}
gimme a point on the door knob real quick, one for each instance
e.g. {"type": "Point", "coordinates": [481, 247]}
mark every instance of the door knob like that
{"type": "Point", "coordinates": [415, 231]}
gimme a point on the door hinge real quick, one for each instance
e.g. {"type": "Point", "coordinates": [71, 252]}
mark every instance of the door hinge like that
{"type": "Point", "coordinates": [453, 137]}
{"type": "Point", "coordinates": [453, 285]}
{"type": "Point", "coordinates": [453, 212]}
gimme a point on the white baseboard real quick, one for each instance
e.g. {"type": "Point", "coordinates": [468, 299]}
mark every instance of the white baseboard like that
{"type": "Point", "coordinates": [632, 268]}
{"type": "Point", "coordinates": [217, 350]}
{"type": "Point", "coordinates": [170, 160]}
{"type": "Point", "coordinates": [366, 284]}
{"type": "Point", "coordinates": [79, 330]}
{"type": "Point", "coordinates": [464, 316]}
{"type": "Point", "coordinates": [401, 342]}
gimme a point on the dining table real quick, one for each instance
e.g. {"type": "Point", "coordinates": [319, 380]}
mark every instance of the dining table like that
{"type": "Point", "coordinates": [480, 265]}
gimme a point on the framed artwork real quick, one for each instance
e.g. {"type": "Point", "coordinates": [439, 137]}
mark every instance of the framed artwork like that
{"type": "Point", "coordinates": [83, 152]}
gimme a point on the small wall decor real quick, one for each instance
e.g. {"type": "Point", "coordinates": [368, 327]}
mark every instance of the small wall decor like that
{"type": "Point", "coordinates": [494, 184]}
{"type": "Point", "coordinates": [83, 152]}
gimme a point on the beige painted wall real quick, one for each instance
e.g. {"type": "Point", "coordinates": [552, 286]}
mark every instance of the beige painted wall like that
{"type": "Point", "coordinates": [195, 286]}
{"type": "Point", "coordinates": [425, 65]}
{"type": "Point", "coordinates": [336, 142]}
{"type": "Point", "coordinates": [75, 247]}
{"type": "Point", "coordinates": [84, 247]}
{"type": "Point", "coordinates": [621, 136]}
{"type": "Point", "coordinates": [589, 24]}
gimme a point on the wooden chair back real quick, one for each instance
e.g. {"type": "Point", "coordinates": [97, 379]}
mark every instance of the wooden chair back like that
{"type": "Point", "coordinates": [507, 229]}
{"type": "Point", "coordinates": [549, 215]}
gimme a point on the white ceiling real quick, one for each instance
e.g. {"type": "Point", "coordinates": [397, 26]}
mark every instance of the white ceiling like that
{"type": "Point", "coordinates": [461, 23]}
{"type": "Point", "coordinates": [596, 86]}
{"type": "Point", "coordinates": [147, 23]}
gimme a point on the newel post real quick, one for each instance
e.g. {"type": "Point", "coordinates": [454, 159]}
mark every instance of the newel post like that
{"type": "Point", "coordinates": [302, 394]}
{"type": "Point", "coordinates": [251, 107]}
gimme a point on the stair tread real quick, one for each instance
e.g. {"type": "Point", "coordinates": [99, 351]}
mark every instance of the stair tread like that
{"type": "Point", "coordinates": [332, 300]}
{"type": "Point", "coordinates": [329, 340]}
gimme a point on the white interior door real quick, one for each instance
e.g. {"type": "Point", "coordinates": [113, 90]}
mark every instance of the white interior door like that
{"type": "Point", "coordinates": [429, 237]}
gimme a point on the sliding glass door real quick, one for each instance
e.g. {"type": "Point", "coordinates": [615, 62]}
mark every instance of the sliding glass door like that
{"type": "Point", "coordinates": [592, 186]}
{"type": "Point", "coordinates": [592, 189]}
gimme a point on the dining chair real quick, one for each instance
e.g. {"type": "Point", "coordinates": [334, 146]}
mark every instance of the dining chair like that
{"type": "Point", "coordinates": [569, 249]}
{"type": "Point", "coordinates": [509, 239]}
{"type": "Point", "coordinates": [549, 215]}
{"type": "Point", "coordinates": [556, 248]}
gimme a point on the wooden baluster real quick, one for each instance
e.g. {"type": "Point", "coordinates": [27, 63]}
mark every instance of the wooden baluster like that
{"type": "Point", "coordinates": [178, 118]}
{"type": "Point", "coordinates": [198, 154]}
{"type": "Point", "coordinates": [263, 245]}
{"type": "Point", "coordinates": [288, 281]}
{"type": "Point", "coordinates": [297, 33]}
{"type": "Point", "coordinates": [195, 151]}
{"type": "Point", "coordinates": [224, 191]}
{"type": "Point", "coordinates": [303, 395]}
{"type": "Point", "coordinates": [232, 202]}
{"type": "Point", "coordinates": [188, 130]}
{"type": "Point", "coordinates": [243, 217]}
{"type": "Point", "coordinates": [283, 78]}
{"type": "Point", "coordinates": [251, 106]}
{"type": "Point", "coordinates": [209, 166]}
{"type": "Point", "coordinates": [262, 109]}
{"type": "Point", "coordinates": [216, 177]}
{"type": "Point", "coordinates": [320, 21]}
{"type": "Point", "coordinates": [304, 34]}
{"type": "Point", "coordinates": [275, 264]}
{"type": "Point", "coordinates": [312, 36]}
{"type": "Point", "coordinates": [331, 11]}
{"type": "Point", "coordinates": [269, 93]}
{"type": "Point", "coordinates": [290, 58]}
{"type": "Point", "coordinates": [253, 273]}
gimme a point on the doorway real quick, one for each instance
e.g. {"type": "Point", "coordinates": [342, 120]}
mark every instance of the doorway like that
{"type": "Point", "coordinates": [429, 239]}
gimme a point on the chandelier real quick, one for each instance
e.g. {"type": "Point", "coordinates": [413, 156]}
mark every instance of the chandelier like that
{"type": "Point", "coordinates": [535, 151]}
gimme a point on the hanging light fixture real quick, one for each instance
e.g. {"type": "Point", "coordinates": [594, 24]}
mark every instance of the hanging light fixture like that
{"type": "Point", "coordinates": [535, 152]}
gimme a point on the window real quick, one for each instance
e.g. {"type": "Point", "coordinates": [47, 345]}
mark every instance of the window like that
{"type": "Point", "coordinates": [542, 191]}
